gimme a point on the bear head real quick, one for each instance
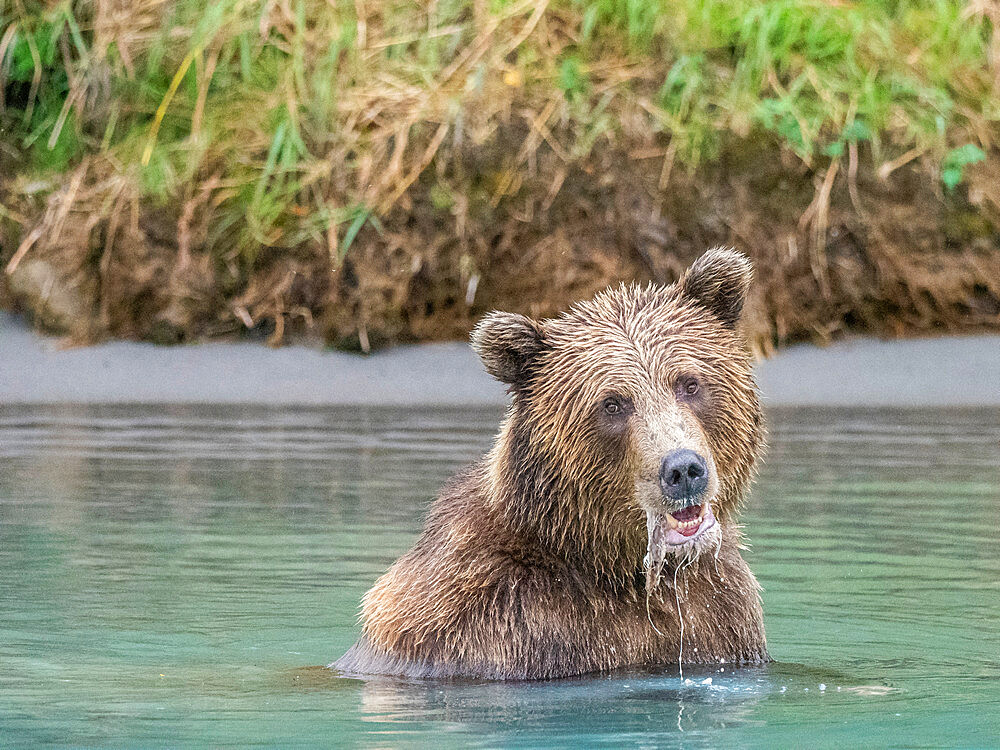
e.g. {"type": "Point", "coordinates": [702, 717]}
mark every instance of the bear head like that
{"type": "Point", "coordinates": [634, 420]}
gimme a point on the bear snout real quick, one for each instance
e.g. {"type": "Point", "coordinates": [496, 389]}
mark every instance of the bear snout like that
{"type": "Point", "coordinates": [683, 476]}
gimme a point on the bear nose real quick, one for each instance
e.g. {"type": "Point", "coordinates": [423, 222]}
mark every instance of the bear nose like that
{"type": "Point", "coordinates": [683, 475]}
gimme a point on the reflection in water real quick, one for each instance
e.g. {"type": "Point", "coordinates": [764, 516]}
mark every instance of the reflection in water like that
{"type": "Point", "coordinates": [583, 707]}
{"type": "Point", "coordinates": [166, 572]}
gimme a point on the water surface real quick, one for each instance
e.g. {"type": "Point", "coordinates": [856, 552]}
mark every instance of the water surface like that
{"type": "Point", "coordinates": [167, 572]}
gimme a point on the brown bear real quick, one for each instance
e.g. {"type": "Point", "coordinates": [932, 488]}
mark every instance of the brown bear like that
{"type": "Point", "coordinates": [599, 532]}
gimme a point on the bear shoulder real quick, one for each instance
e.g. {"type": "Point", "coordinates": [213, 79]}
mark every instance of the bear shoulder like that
{"type": "Point", "coordinates": [471, 599]}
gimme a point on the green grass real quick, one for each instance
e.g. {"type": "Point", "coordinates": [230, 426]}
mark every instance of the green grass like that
{"type": "Point", "coordinates": [818, 74]}
{"type": "Point", "coordinates": [307, 123]}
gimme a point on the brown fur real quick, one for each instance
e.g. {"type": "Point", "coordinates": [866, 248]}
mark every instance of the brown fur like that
{"type": "Point", "coordinates": [531, 562]}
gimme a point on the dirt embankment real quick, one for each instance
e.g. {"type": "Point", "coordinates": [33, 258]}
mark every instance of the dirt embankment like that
{"type": "Point", "coordinates": [837, 249]}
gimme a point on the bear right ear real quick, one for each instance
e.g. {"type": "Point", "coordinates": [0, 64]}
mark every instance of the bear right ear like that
{"type": "Point", "coordinates": [507, 343]}
{"type": "Point", "coordinates": [719, 281]}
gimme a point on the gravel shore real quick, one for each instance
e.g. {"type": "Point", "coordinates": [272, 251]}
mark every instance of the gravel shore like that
{"type": "Point", "coordinates": [952, 371]}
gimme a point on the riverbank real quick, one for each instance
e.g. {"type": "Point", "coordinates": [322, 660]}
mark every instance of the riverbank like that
{"type": "Point", "coordinates": [951, 371]}
{"type": "Point", "coordinates": [368, 176]}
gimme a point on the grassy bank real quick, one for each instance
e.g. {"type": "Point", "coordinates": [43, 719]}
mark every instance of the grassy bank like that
{"type": "Point", "coordinates": [374, 172]}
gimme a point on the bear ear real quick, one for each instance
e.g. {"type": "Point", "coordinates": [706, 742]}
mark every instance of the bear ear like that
{"type": "Point", "coordinates": [719, 281]}
{"type": "Point", "coordinates": [508, 343]}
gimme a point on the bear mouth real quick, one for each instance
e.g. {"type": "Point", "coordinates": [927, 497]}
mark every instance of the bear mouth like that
{"type": "Point", "coordinates": [674, 532]}
{"type": "Point", "coordinates": [688, 521]}
{"type": "Point", "coordinates": [676, 529]}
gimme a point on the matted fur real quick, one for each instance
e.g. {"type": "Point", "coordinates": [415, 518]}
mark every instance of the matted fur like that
{"type": "Point", "coordinates": [531, 564]}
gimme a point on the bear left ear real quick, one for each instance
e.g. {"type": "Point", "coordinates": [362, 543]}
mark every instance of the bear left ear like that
{"type": "Point", "coordinates": [508, 344]}
{"type": "Point", "coordinates": [719, 281]}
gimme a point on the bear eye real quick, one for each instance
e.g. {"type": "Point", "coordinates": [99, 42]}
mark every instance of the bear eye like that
{"type": "Point", "coordinates": [688, 387]}
{"type": "Point", "coordinates": [614, 406]}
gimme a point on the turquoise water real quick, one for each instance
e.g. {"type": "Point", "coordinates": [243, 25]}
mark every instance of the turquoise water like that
{"type": "Point", "coordinates": [168, 576]}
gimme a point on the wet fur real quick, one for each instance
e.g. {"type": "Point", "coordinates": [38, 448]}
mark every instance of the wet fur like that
{"type": "Point", "coordinates": [531, 562]}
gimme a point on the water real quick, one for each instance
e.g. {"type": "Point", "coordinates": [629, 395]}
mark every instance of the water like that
{"type": "Point", "coordinates": [168, 575]}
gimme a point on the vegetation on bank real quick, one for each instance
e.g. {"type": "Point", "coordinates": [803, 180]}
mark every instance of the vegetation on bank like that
{"type": "Point", "coordinates": [213, 166]}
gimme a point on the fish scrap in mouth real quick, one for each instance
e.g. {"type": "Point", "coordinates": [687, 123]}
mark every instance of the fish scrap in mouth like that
{"type": "Point", "coordinates": [672, 531]}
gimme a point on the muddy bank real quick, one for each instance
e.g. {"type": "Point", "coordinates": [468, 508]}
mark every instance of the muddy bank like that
{"type": "Point", "coordinates": [954, 371]}
{"type": "Point", "coordinates": [841, 248]}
